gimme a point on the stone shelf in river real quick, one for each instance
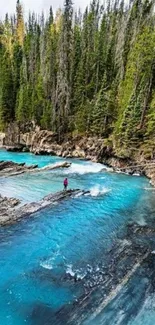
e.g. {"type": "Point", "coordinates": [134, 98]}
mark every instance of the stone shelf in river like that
{"type": "Point", "coordinates": [9, 168]}
{"type": "Point", "coordinates": [9, 214]}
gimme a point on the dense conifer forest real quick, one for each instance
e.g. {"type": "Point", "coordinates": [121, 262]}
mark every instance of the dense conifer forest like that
{"type": "Point", "coordinates": [90, 73]}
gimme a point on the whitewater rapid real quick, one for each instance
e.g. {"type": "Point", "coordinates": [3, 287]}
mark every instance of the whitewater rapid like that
{"type": "Point", "coordinates": [85, 168]}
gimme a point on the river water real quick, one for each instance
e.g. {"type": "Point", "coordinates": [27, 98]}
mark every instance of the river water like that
{"type": "Point", "coordinates": [53, 265]}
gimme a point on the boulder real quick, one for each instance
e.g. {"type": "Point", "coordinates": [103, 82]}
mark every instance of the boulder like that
{"type": "Point", "coordinates": [78, 153]}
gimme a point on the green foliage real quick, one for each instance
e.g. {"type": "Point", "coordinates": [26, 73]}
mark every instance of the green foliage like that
{"type": "Point", "coordinates": [135, 89]}
{"type": "Point", "coordinates": [93, 73]}
{"type": "Point", "coordinates": [7, 95]}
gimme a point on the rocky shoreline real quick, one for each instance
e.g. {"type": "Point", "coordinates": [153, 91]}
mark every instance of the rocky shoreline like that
{"type": "Point", "coordinates": [9, 168]}
{"type": "Point", "coordinates": [30, 138]}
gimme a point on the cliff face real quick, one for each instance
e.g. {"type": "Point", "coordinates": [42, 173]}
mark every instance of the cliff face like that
{"type": "Point", "coordinates": [33, 139]}
{"type": "Point", "coordinates": [2, 139]}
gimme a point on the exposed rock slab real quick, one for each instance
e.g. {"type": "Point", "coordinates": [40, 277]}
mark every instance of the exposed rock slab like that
{"type": "Point", "coordinates": [9, 214]}
{"type": "Point", "coordinates": [7, 206]}
{"type": "Point", "coordinates": [9, 168]}
{"type": "Point", "coordinates": [64, 164]}
{"type": "Point", "coordinates": [8, 202]}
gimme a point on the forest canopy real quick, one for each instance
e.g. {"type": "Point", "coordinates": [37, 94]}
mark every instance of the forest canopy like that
{"type": "Point", "coordinates": [82, 73]}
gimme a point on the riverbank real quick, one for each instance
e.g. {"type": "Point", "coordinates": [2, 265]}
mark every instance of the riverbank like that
{"type": "Point", "coordinates": [31, 138]}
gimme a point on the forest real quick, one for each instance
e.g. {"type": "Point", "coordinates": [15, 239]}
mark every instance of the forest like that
{"type": "Point", "coordinates": [90, 73]}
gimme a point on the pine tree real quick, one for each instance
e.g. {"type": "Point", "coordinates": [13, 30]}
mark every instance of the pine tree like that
{"type": "Point", "coordinates": [7, 95]}
{"type": "Point", "coordinates": [20, 24]}
{"type": "Point", "coordinates": [91, 73]}
{"type": "Point", "coordinates": [63, 89]}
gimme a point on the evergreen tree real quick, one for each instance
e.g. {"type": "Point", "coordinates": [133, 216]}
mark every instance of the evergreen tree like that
{"type": "Point", "coordinates": [20, 23]}
{"type": "Point", "coordinates": [63, 89]}
{"type": "Point", "coordinates": [91, 73]}
{"type": "Point", "coordinates": [7, 95]}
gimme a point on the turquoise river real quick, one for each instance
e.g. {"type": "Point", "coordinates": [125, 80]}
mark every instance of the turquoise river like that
{"type": "Point", "coordinates": [52, 265]}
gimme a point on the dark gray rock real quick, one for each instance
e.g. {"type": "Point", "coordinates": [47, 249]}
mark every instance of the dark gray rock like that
{"type": "Point", "coordinates": [9, 168]}
{"type": "Point", "coordinates": [15, 148]}
{"type": "Point", "coordinates": [9, 214]}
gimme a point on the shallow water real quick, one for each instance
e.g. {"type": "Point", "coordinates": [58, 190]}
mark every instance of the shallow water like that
{"type": "Point", "coordinates": [51, 261]}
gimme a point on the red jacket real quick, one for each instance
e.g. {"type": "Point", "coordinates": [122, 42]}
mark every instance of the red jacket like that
{"type": "Point", "coordinates": [65, 182]}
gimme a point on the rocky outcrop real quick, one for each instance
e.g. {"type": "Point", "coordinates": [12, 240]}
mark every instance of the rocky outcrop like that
{"type": "Point", "coordinates": [8, 202]}
{"type": "Point", "coordinates": [7, 206]}
{"type": "Point", "coordinates": [29, 137]}
{"type": "Point", "coordinates": [14, 132]}
{"type": "Point", "coordinates": [15, 148]}
{"type": "Point", "coordinates": [9, 214]}
{"type": "Point", "coordinates": [2, 139]}
{"type": "Point", "coordinates": [150, 173]}
{"type": "Point", "coordinates": [64, 164]}
{"type": "Point", "coordinates": [9, 168]}
{"type": "Point", "coordinates": [32, 138]}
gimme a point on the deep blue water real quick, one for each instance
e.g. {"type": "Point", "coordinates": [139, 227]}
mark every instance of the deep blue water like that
{"type": "Point", "coordinates": [51, 260]}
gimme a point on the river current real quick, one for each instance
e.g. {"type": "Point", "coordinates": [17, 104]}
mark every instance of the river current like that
{"type": "Point", "coordinates": [53, 265]}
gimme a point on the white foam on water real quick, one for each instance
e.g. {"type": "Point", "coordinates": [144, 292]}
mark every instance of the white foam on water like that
{"type": "Point", "coordinates": [108, 169]}
{"type": "Point", "coordinates": [125, 242]}
{"type": "Point", "coordinates": [149, 188]}
{"type": "Point", "coordinates": [98, 190]}
{"type": "Point", "coordinates": [141, 221]}
{"type": "Point", "coordinates": [70, 270]}
{"type": "Point", "coordinates": [121, 316]}
{"type": "Point", "coordinates": [49, 263]}
{"type": "Point", "coordinates": [78, 194]}
{"type": "Point", "coordinates": [84, 169]}
{"type": "Point", "coordinates": [46, 265]}
{"type": "Point", "coordinates": [79, 273]}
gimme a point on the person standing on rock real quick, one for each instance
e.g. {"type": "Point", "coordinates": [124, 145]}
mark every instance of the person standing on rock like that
{"type": "Point", "coordinates": [65, 183]}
